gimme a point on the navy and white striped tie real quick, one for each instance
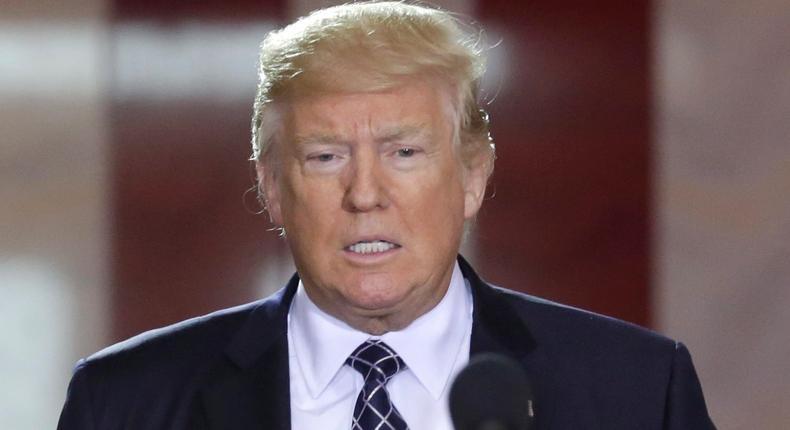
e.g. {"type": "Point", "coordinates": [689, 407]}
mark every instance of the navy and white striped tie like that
{"type": "Point", "coordinates": [374, 410]}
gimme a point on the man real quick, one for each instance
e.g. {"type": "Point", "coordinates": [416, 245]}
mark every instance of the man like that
{"type": "Point", "coordinates": [372, 156]}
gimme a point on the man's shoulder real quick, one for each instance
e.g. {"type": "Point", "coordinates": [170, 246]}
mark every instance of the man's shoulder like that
{"type": "Point", "coordinates": [562, 329]}
{"type": "Point", "coordinates": [579, 356]}
{"type": "Point", "coordinates": [185, 348]}
{"type": "Point", "coordinates": [199, 332]}
{"type": "Point", "coordinates": [162, 370]}
{"type": "Point", "coordinates": [571, 330]}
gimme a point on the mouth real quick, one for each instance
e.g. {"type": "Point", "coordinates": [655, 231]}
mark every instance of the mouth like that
{"type": "Point", "coordinates": [371, 247]}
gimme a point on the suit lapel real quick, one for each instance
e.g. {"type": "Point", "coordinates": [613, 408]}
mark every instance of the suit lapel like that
{"type": "Point", "coordinates": [498, 328]}
{"type": "Point", "coordinates": [250, 389]}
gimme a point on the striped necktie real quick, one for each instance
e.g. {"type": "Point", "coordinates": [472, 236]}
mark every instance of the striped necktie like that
{"type": "Point", "coordinates": [374, 410]}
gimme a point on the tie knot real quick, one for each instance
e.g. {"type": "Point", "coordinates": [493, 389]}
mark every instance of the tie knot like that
{"type": "Point", "coordinates": [375, 360]}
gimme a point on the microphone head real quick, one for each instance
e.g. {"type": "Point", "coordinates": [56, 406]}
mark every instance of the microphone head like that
{"type": "Point", "coordinates": [491, 393]}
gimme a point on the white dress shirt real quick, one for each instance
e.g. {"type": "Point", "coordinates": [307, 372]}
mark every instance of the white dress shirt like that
{"type": "Point", "coordinates": [435, 347]}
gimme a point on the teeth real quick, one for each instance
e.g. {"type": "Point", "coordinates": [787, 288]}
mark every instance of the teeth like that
{"type": "Point", "coordinates": [370, 247]}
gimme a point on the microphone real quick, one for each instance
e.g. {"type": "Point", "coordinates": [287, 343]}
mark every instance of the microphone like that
{"type": "Point", "coordinates": [491, 393]}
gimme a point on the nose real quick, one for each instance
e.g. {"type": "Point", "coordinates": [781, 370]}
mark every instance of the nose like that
{"type": "Point", "coordinates": [365, 188]}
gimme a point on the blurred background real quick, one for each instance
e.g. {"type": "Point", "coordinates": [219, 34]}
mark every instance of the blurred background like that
{"type": "Point", "coordinates": [643, 172]}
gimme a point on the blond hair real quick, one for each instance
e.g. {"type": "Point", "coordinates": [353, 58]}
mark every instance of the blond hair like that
{"type": "Point", "coordinates": [369, 47]}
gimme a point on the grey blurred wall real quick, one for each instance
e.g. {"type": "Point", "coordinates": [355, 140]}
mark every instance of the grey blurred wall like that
{"type": "Point", "coordinates": [723, 200]}
{"type": "Point", "coordinates": [53, 189]}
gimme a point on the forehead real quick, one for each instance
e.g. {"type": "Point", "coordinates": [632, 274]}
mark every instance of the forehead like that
{"type": "Point", "coordinates": [408, 109]}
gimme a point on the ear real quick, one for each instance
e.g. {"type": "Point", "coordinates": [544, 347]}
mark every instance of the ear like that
{"type": "Point", "coordinates": [475, 182]}
{"type": "Point", "coordinates": [269, 190]}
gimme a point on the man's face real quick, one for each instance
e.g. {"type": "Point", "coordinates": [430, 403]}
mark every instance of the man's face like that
{"type": "Point", "coordinates": [373, 199]}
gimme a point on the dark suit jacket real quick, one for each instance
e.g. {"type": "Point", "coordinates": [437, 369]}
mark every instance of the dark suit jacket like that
{"type": "Point", "coordinates": [229, 370]}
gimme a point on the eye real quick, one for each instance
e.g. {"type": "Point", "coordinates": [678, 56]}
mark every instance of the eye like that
{"type": "Point", "coordinates": [323, 157]}
{"type": "Point", "coordinates": [406, 152]}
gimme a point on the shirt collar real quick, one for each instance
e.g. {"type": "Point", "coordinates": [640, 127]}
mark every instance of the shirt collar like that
{"type": "Point", "coordinates": [321, 342]}
{"type": "Point", "coordinates": [429, 346]}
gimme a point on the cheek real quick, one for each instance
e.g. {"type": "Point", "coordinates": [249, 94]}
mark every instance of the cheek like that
{"type": "Point", "coordinates": [438, 202]}
{"type": "Point", "coordinates": [310, 208]}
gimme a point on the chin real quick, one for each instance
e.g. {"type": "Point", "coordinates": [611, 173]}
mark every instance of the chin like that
{"type": "Point", "coordinates": [376, 296]}
{"type": "Point", "coordinates": [377, 303]}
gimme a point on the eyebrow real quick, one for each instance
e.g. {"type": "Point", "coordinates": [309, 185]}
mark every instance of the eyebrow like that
{"type": "Point", "coordinates": [392, 134]}
{"type": "Point", "coordinates": [402, 132]}
{"type": "Point", "coordinates": [317, 139]}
